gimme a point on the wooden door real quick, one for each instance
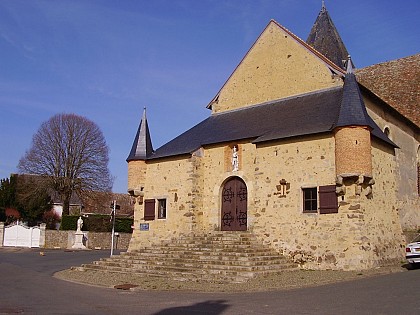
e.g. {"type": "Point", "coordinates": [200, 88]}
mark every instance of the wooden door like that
{"type": "Point", "coordinates": [234, 205]}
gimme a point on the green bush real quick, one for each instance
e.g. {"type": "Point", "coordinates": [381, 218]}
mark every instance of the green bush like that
{"type": "Point", "coordinates": [124, 225]}
{"type": "Point", "coordinates": [97, 223]}
{"type": "Point", "coordinates": [69, 222]}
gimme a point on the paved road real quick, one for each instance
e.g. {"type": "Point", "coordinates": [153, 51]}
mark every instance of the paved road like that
{"type": "Point", "coordinates": [27, 287]}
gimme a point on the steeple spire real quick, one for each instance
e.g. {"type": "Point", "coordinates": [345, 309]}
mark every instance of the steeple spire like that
{"type": "Point", "coordinates": [353, 110]}
{"type": "Point", "coordinates": [324, 37]}
{"type": "Point", "coordinates": [142, 146]}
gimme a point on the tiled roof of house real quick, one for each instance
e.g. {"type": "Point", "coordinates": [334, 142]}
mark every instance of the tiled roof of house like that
{"type": "Point", "coordinates": [100, 203]}
{"type": "Point", "coordinates": [311, 113]}
{"type": "Point", "coordinates": [397, 83]}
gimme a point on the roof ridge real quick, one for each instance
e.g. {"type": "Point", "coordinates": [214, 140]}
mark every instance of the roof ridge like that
{"type": "Point", "coordinates": [387, 62]}
{"type": "Point", "coordinates": [283, 99]}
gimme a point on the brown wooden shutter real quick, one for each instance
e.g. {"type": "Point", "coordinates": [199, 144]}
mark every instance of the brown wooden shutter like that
{"type": "Point", "coordinates": [328, 202]}
{"type": "Point", "coordinates": [149, 209]}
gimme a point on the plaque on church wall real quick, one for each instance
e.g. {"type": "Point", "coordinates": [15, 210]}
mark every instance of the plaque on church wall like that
{"type": "Point", "coordinates": [144, 226]}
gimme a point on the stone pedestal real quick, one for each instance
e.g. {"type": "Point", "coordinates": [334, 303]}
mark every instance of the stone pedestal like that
{"type": "Point", "coordinates": [78, 241]}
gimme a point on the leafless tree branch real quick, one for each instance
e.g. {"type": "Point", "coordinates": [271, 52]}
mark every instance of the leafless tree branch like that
{"type": "Point", "coordinates": [71, 152]}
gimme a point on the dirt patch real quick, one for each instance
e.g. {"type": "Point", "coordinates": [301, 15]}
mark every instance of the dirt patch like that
{"type": "Point", "coordinates": [280, 281]}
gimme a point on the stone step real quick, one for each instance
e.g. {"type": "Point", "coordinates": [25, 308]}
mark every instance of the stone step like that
{"type": "Point", "coordinates": [219, 256]}
{"type": "Point", "coordinates": [248, 254]}
{"type": "Point", "coordinates": [222, 264]}
{"type": "Point", "coordinates": [194, 265]}
{"type": "Point", "coordinates": [219, 259]}
{"type": "Point", "coordinates": [222, 259]}
{"type": "Point", "coordinates": [190, 273]}
{"type": "Point", "coordinates": [175, 275]}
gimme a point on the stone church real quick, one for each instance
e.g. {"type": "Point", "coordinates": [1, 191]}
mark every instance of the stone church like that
{"type": "Point", "coordinates": [317, 165]}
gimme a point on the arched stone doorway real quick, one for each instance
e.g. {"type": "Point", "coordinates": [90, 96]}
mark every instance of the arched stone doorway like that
{"type": "Point", "coordinates": [234, 205]}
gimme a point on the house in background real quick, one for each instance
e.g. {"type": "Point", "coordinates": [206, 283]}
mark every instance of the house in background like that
{"type": "Point", "coordinates": [92, 203]}
{"type": "Point", "coordinates": [296, 152]}
{"type": "Point", "coordinates": [100, 203]}
{"type": "Point", "coordinates": [76, 204]}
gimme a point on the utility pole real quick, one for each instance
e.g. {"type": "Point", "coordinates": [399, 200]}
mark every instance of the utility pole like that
{"type": "Point", "coordinates": [114, 207]}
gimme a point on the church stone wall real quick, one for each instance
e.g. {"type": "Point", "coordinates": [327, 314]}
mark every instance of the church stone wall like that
{"type": "Point", "coordinates": [275, 67]}
{"type": "Point", "coordinates": [366, 228]}
{"type": "Point", "coordinates": [407, 159]}
{"type": "Point", "coordinates": [217, 169]}
{"type": "Point", "coordinates": [173, 180]}
{"type": "Point", "coordinates": [364, 233]}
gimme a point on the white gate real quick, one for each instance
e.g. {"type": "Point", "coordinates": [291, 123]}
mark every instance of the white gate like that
{"type": "Point", "coordinates": [19, 235]}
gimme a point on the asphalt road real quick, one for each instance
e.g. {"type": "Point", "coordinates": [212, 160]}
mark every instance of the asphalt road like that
{"type": "Point", "coordinates": [27, 287]}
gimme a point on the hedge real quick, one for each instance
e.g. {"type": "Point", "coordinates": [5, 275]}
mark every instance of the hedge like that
{"type": "Point", "coordinates": [97, 223]}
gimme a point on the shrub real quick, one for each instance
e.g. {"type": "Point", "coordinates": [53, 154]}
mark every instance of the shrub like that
{"type": "Point", "coordinates": [50, 218]}
{"type": "Point", "coordinates": [69, 222]}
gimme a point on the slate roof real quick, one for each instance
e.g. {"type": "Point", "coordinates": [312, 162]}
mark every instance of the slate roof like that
{"type": "Point", "coordinates": [325, 38]}
{"type": "Point", "coordinates": [142, 146]}
{"type": "Point", "coordinates": [397, 83]}
{"type": "Point", "coordinates": [306, 114]}
{"type": "Point", "coordinates": [352, 110]}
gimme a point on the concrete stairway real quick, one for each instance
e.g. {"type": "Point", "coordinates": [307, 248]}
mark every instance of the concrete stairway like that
{"type": "Point", "coordinates": [216, 257]}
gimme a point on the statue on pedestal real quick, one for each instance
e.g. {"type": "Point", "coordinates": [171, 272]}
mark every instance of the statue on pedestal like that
{"type": "Point", "coordinates": [78, 236]}
{"type": "Point", "coordinates": [79, 224]}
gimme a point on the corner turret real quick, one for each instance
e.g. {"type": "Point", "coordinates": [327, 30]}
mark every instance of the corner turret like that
{"type": "Point", "coordinates": [141, 150]}
{"type": "Point", "coordinates": [142, 146]}
{"type": "Point", "coordinates": [352, 134]}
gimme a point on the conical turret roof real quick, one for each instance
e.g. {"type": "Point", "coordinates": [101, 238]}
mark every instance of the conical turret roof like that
{"type": "Point", "coordinates": [142, 146]}
{"type": "Point", "coordinates": [324, 38]}
{"type": "Point", "coordinates": [352, 109]}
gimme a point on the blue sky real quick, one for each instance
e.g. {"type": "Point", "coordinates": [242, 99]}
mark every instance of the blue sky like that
{"type": "Point", "coordinates": [107, 60]}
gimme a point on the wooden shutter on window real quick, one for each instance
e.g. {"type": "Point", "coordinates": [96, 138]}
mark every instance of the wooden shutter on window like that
{"type": "Point", "coordinates": [328, 202]}
{"type": "Point", "coordinates": [149, 209]}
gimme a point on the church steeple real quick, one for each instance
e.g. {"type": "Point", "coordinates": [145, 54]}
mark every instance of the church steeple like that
{"type": "Point", "coordinates": [324, 38]}
{"type": "Point", "coordinates": [142, 146]}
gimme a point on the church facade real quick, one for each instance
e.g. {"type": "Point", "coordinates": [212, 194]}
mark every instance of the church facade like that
{"type": "Point", "coordinates": [294, 152]}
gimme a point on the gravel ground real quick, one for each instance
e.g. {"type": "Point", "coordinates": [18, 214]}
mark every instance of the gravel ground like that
{"type": "Point", "coordinates": [280, 281]}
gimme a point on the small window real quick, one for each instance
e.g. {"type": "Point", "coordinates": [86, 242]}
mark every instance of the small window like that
{"type": "Point", "coordinates": [161, 208]}
{"type": "Point", "coordinates": [310, 201]}
{"type": "Point", "coordinates": [149, 209]}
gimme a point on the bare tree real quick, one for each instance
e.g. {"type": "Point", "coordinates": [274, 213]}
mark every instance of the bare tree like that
{"type": "Point", "coordinates": [70, 152]}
